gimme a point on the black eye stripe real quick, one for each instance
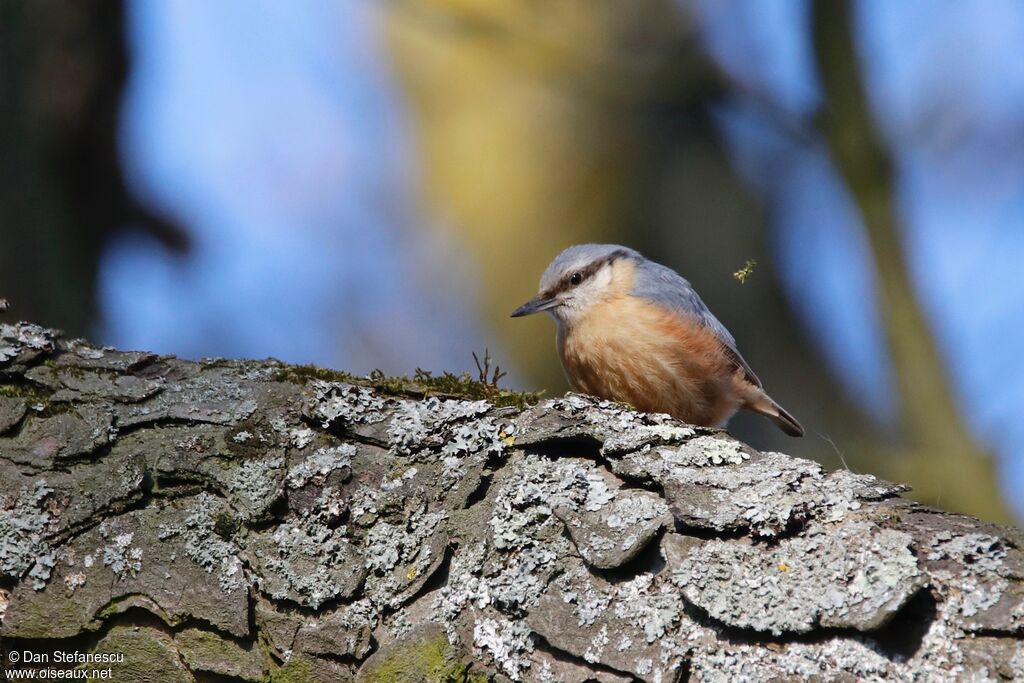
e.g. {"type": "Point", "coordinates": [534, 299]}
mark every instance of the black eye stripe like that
{"type": "Point", "coordinates": [569, 281]}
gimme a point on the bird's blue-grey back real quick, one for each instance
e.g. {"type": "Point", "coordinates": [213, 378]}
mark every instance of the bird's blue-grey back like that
{"type": "Point", "coordinates": [663, 286]}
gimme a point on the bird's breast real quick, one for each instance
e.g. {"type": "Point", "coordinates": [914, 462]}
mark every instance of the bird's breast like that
{"type": "Point", "coordinates": [631, 350]}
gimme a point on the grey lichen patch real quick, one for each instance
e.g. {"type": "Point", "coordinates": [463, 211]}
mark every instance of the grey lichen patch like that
{"type": "Point", "coordinates": [301, 436]}
{"type": "Point", "coordinates": [766, 494]}
{"type": "Point", "coordinates": [165, 581]}
{"type": "Point", "coordinates": [317, 466]}
{"type": "Point", "coordinates": [836, 659]}
{"type": "Point", "coordinates": [81, 494]}
{"type": "Point", "coordinates": [25, 518]}
{"type": "Point", "coordinates": [119, 554]}
{"type": "Point", "coordinates": [617, 428]}
{"type": "Point", "coordinates": [609, 525]}
{"type": "Point", "coordinates": [41, 570]}
{"type": "Point", "coordinates": [1016, 665]}
{"type": "Point", "coordinates": [524, 507]}
{"type": "Point", "coordinates": [942, 655]}
{"type": "Point", "coordinates": [402, 556]}
{"type": "Point", "coordinates": [452, 438]}
{"type": "Point", "coordinates": [459, 436]}
{"type": "Point", "coordinates": [855, 575]}
{"type": "Point", "coordinates": [254, 485]}
{"type": "Point", "coordinates": [531, 551]}
{"type": "Point", "coordinates": [705, 451]}
{"type": "Point", "coordinates": [251, 481]}
{"type": "Point", "coordinates": [658, 464]}
{"type": "Point", "coordinates": [203, 533]}
{"type": "Point", "coordinates": [530, 538]}
{"type": "Point", "coordinates": [343, 405]}
{"type": "Point", "coordinates": [311, 560]}
{"type": "Point", "coordinates": [506, 642]}
{"type": "Point", "coordinates": [615, 533]}
{"type": "Point", "coordinates": [981, 579]}
{"type": "Point", "coordinates": [23, 343]}
{"type": "Point", "coordinates": [638, 626]}
{"type": "Point", "coordinates": [436, 423]}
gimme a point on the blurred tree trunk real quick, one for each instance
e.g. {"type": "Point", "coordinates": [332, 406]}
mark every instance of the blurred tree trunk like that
{"type": "Point", "coordinates": [945, 464]}
{"type": "Point", "coordinates": [540, 126]}
{"type": "Point", "coordinates": [63, 68]}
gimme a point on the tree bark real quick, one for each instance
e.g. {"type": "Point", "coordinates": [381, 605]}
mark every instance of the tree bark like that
{"type": "Point", "coordinates": [245, 520]}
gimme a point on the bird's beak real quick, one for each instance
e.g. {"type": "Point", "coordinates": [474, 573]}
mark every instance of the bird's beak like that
{"type": "Point", "coordinates": [535, 305]}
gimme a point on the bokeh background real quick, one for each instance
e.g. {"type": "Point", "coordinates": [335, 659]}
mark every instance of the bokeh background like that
{"type": "Point", "coordinates": [377, 183]}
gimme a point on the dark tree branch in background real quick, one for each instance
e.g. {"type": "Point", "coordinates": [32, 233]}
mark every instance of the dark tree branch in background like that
{"type": "Point", "coordinates": [63, 68]}
{"type": "Point", "coordinates": [947, 465]}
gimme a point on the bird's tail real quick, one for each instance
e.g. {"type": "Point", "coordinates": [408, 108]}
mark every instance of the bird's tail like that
{"type": "Point", "coordinates": [765, 405]}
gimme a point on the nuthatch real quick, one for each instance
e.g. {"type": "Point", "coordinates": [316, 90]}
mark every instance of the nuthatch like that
{"type": "Point", "coordinates": [635, 331]}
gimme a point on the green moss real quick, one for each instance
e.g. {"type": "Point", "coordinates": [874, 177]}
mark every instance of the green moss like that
{"type": "Point", "coordinates": [304, 374]}
{"type": "Point", "coordinates": [421, 384]}
{"type": "Point", "coordinates": [464, 386]}
{"type": "Point", "coordinates": [49, 617]}
{"type": "Point", "coordinates": [297, 670]}
{"type": "Point", "coordinates": [24, 390]}
{"type": "Point", "coordinates": [206, 651]}
{"type": "Point", "coordinates": [149, 655]}
{"type": "Point", "coordinates": [201, 640]}
{"type": "Point", "coordinates": [430, 660]}
{"type": "Point", "coordinates": [226, 525]}
{"type": "Point", "coordinates": [79, 372]}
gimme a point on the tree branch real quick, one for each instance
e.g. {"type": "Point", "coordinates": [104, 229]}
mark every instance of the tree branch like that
{"type": "Point", "coordinates": [257, 520]}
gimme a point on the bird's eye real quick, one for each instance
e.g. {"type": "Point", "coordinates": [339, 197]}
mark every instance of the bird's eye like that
{"type": "Point", "coordinates": [576, 278]}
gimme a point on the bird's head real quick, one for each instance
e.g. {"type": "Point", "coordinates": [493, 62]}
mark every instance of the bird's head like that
{"type": "Point", "coordinates": [578, 278]}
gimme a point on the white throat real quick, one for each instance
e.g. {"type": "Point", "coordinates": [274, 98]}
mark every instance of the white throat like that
{"type": "Point", "coordinates": [575, 303]}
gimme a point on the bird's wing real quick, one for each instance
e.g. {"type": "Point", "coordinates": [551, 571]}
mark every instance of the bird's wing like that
{"type": "Point", "coordinates": [663, 286]}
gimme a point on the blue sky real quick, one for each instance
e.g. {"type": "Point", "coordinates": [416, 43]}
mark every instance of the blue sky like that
{"type": "Point", "coordinates": [272, 133]}
{"type": "Point", "coordinates": [275, 134]}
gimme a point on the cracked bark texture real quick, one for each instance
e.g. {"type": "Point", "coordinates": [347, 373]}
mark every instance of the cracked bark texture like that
{"type": "Point", "coordinates": [241, 520]}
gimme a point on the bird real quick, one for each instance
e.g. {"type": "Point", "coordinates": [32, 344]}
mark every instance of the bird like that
{"type": "Point", "coordinates": [635, 331]}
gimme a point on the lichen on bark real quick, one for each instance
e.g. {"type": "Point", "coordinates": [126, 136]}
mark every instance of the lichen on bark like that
{"type": "Point", "coordinates": [254, 521]}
